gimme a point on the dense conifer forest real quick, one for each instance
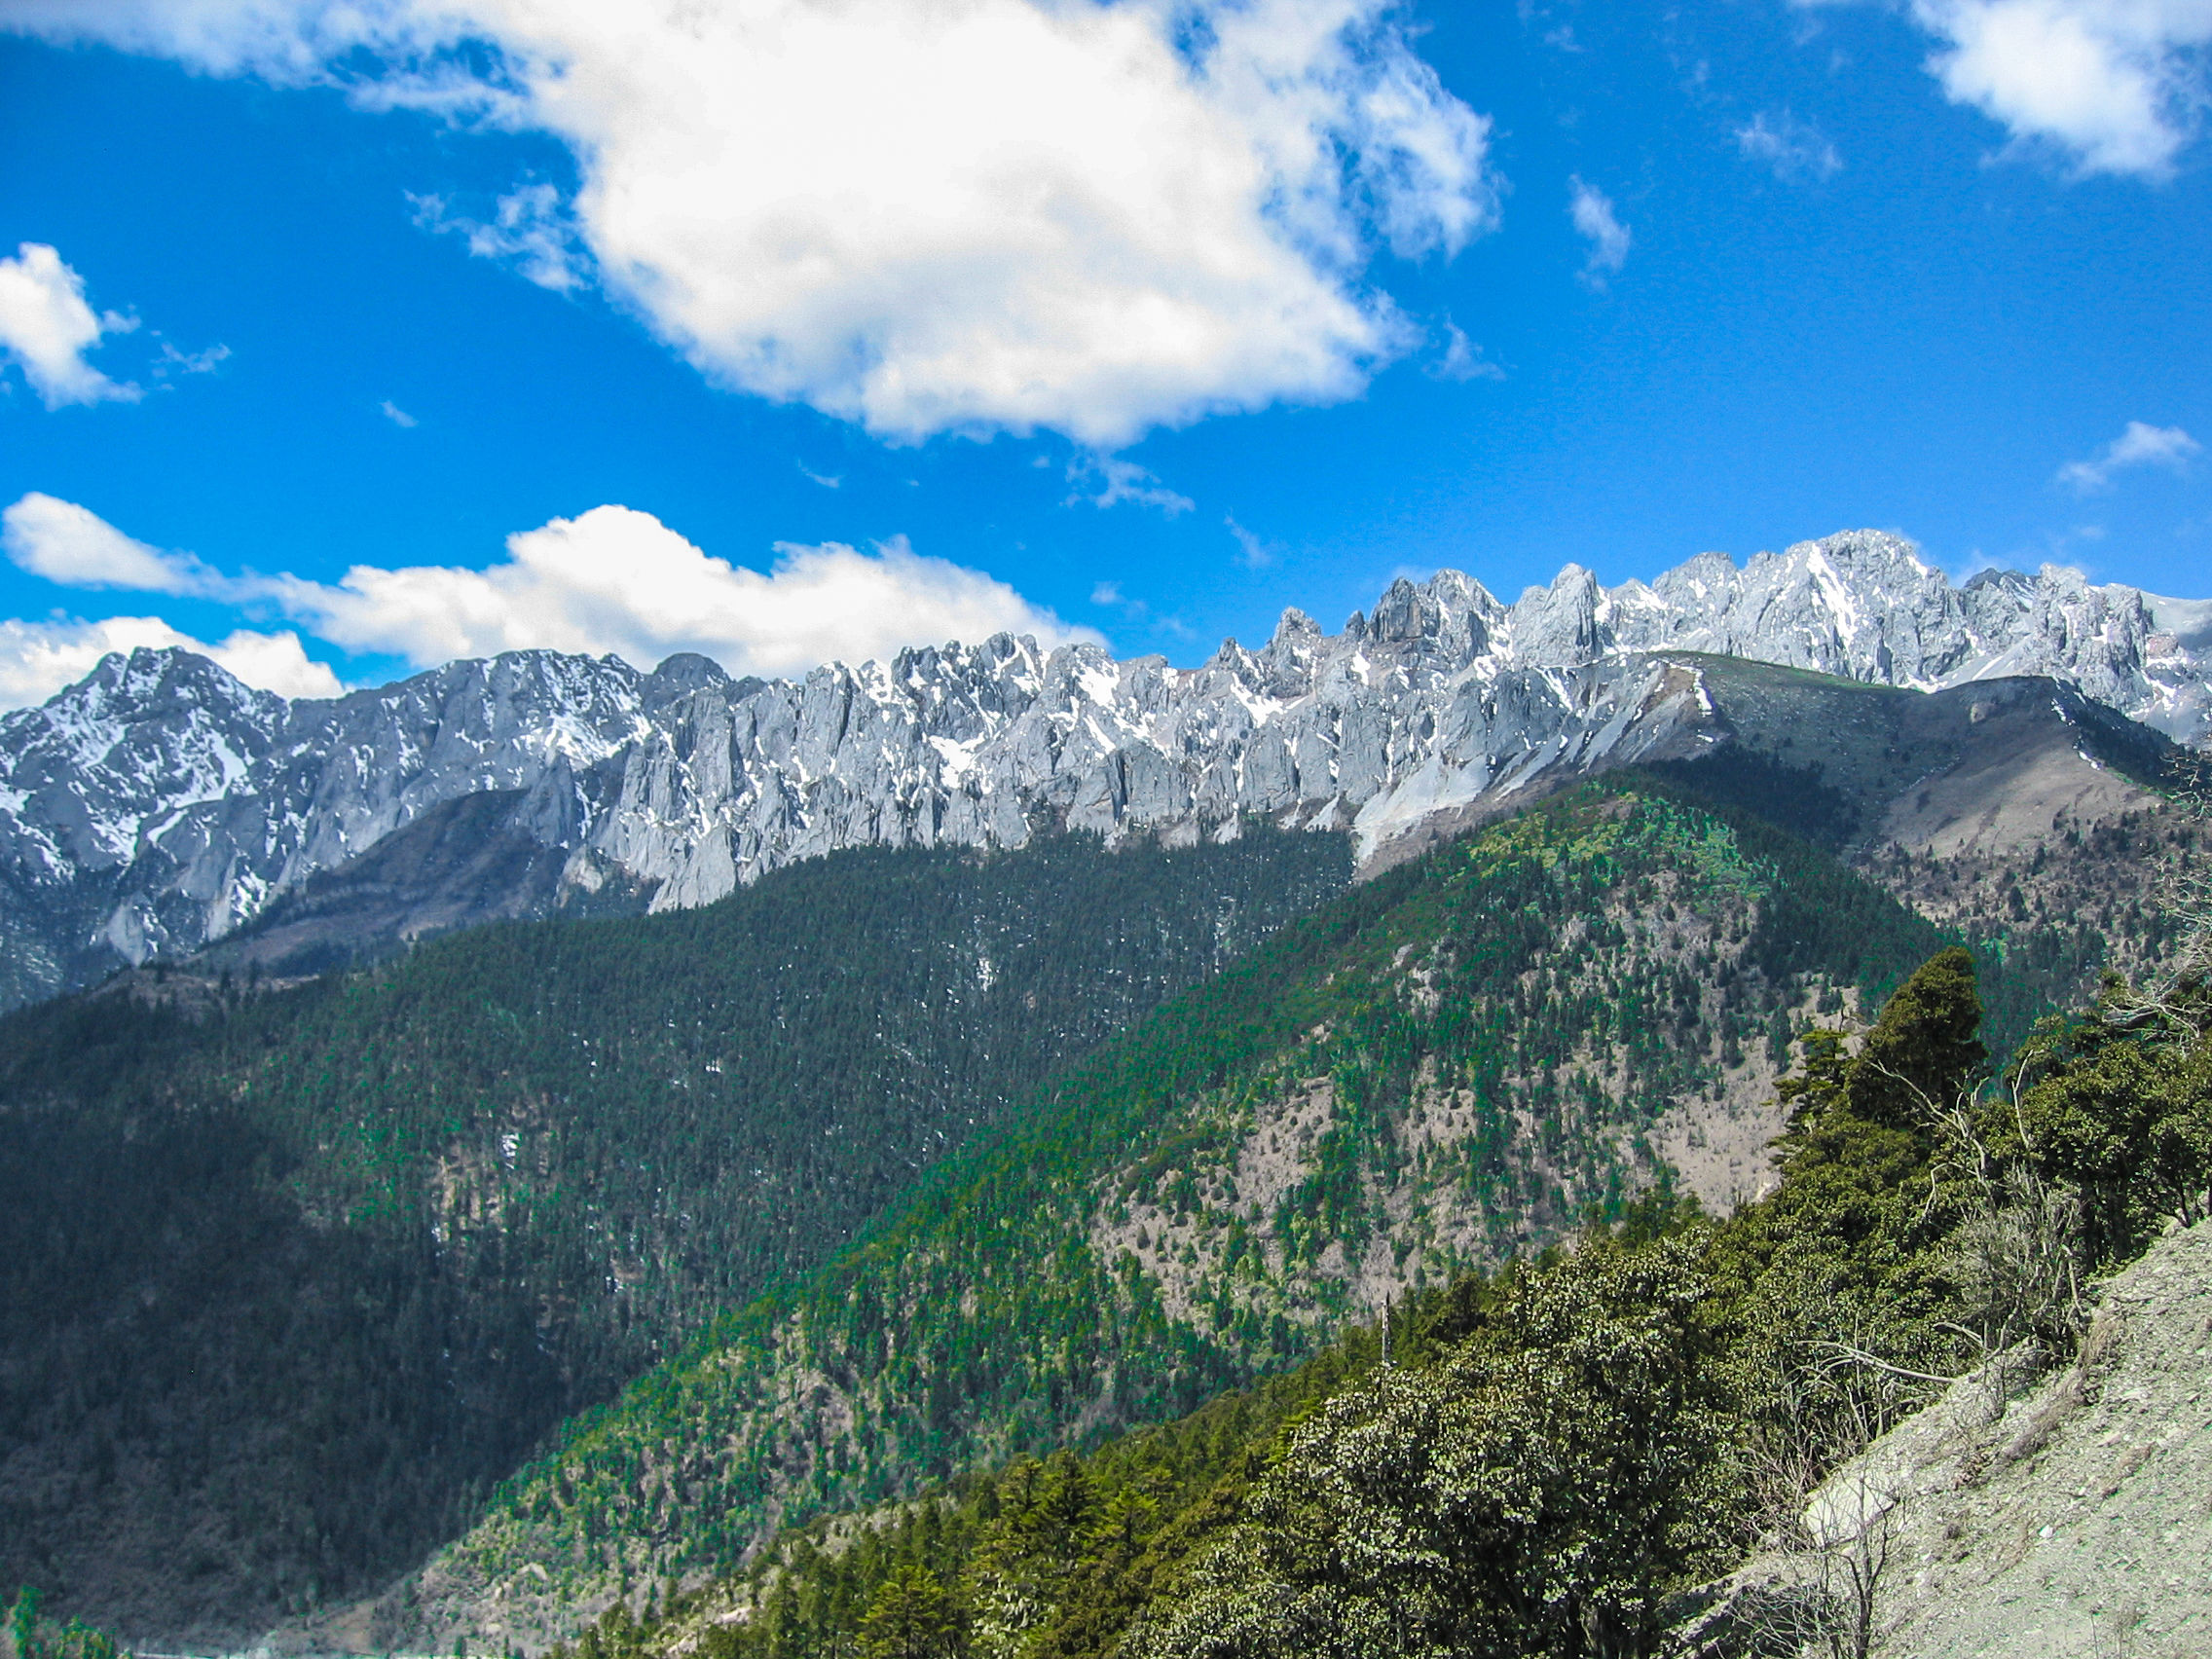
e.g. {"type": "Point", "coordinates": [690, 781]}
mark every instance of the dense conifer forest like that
{"type": "Point", "coordinates": [290, 1276]}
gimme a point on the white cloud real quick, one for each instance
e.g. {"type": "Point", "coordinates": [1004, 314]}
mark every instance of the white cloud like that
{"type": "Point", "coordinates": [66, 543]}
{"type": "Point", "coordinates": [47, 327]}
{"type": "Point", "coordinates": [608, 580]}
{"type": "Point", "coordinates": [37, 659]}
{"type": "Point", "coordinates": [616, 580]}
{"type": "Point", "coordinates": [1795, 150]}
{"type": "Point", "coordinates": [1120, 481]}
{"type": "Point", "coordinates": [2141, 445]}
{"type": "Point", "coordinates": [2114, 86]}
{"type": "Point", "coordinates": [1592, 211]}
{"type": "Point", "coordinates": [1463, 359]}
{"type": "Point", "coordinates": [990, 214]}
{"type": "Point", "coordinates": [398, 416]}
{"type": "Point", "coordinates": [276, 662]}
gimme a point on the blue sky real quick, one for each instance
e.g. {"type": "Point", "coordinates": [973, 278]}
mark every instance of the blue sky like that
{"type": "Point", "coordinates": [901, 319]}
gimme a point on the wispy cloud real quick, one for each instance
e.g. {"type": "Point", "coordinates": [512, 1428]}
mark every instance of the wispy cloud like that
{"type": "Point", "coordinates": [398, 416]}
{"type": "Point", "coordinates": [1252, 553]}
{"type": "Point", "coordinates": [1107, 595]}
{"type": "Point", "coordinates": [1463, 359]}
{"type": "Point", "coordinates": [828, 479]}
{"type": "Point", "coordinates": [1592, 211]}
{"type": "Point", "coordinates": [1795, 150]}
{"type": "Point", "coordinates": [529, 230]}
{"type": "Point", "coordinates": [1120, 481]}
{"type": "Point", "coordinates": [172, 361]}
{"type": "Point", "coordinates": [2140, 445]}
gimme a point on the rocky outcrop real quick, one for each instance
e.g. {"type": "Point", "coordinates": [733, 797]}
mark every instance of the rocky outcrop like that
{"type": "Point", "coordinates": [161, 805]}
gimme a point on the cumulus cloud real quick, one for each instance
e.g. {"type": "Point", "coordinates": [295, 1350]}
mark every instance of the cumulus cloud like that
{"type": "Point", "coordinates": [1795, 150]}
{"type": "Point", "coordinates": [1592, 211]}
{"type": "Point", "coordinates": [2113, 86]}
{"type": "Point", "coordinates": [2141, 445]}
{"type": "Point", "coordinates": [47, 326]}
{"type": "Point", "coordinates": [608, 580]}
{"type": "Point", "coordinates": [616, 580]}
{"type": "Point", "coordinates": [997, 214]}
{"type": "Point", "coordinates": [37, 659]}
{"type": "Point", "coordinates": [67, 543]}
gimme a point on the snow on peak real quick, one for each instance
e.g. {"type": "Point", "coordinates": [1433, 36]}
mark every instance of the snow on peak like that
{"type": "Point", "coordinates": [166, 778]}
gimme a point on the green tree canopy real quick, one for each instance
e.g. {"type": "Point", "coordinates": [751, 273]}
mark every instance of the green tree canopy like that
{"type": "Point", "coordinates": [1925, 1050]}
{"type": "Point", "coordinates": [911, 1617]}
{"type": "Point", "coordinates": [2120, 1103]}
{"type": "Point", "coordinates": [1534, 1494]}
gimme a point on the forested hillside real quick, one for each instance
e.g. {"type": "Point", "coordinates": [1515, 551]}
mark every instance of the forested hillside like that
{"type": "Point", "coordinates": [289, 1277]}
{"type": "Point", "coordinates": [1566, 1457]}
{"type": "Point", "coordinates": [1459, 1060]}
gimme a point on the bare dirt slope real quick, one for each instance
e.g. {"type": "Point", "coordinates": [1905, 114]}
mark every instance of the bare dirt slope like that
{"type": "Point", "coordinates": [2079, 1520]}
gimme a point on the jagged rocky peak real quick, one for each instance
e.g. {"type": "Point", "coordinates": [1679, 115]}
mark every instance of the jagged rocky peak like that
{"type": "Point", "coordinates": [1861, 604]}
{"type": "Point", "coordinates": [139, 739]}
{"type": "Point", "coordinates": [146, 696]}
{"type": "Point", "coordinates": [159, 803]}
{"type": "Point", "coordinates": [1288, 662]}
{"type": "Point", "coordinates": [1445, 620]}
{"type": "Point", "coordinates": [1559, 626]}
{"type": "Point", "coordinates": [687, 672]}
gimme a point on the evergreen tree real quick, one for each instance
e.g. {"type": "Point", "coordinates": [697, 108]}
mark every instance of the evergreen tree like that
{"type": "Point", "coordinates": [910, 1617]}
{"type": "Point", "coordinates": [2120, 1103]}
{"type": "Point", "coordinates": [1925, 1051]}
{"type": "Point", "coordinates": [1536, 1492]}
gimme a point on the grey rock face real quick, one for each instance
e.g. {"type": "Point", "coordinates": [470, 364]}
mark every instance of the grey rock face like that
{"type": "Point", "coordinates": [160, 804]}
{"type": "Point", "coordinates": [179, 802]}
{"type": "Point", "coordinates": [1861, 605]}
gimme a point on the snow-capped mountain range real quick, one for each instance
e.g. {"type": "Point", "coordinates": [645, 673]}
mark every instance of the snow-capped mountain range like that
{"type": "Point", "coordinates": [160, 805]}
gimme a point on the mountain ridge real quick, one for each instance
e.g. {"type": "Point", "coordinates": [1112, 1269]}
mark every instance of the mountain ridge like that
{"type": "Point", "coordinates": [160, 805]}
